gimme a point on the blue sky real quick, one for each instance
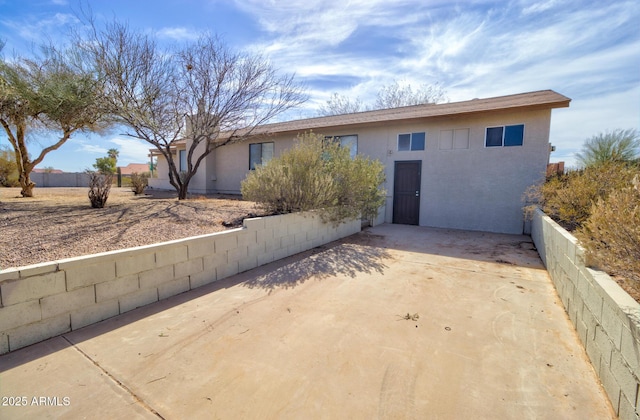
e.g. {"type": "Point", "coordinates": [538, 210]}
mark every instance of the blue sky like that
{"type": "Point", "coordinates": [586, 50]}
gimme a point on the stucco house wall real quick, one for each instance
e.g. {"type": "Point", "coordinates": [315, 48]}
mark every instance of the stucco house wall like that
{"type": "Point", "coordinates": [464, 184]}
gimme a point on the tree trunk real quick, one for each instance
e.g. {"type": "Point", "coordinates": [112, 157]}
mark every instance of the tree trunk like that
{"type": "Point", "coordinates": [26, 184]}
{"type": "Point", "coordinates": [182, 192]}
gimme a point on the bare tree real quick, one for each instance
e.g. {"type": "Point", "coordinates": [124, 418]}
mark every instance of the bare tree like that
{"type": "Point", "coordinates": [340, 104]}
{"type": "Point", "coordinates": [399, 94]}
{"type": "Point", "coordinates": [52, 93]}
{"type": "Point", "coordinates": [393, 95]}
{"type": "Point", "coordinates": [203, 94]}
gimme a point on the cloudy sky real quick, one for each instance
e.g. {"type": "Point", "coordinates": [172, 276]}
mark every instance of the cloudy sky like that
{"type": "Point", "coordinates": [586, 50]}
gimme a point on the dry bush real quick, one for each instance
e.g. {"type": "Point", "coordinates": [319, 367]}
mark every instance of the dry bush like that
{"type": "Point", "coordinates": [317, 174]}
{"type": "Point", "coordinates": [611, 235]}
{"type": "Point", "coordinates": [139, 182]}
{"type": "Point", "coordinates": [569, 198]}
{"type": "Point", "coordinates": [99, 188]}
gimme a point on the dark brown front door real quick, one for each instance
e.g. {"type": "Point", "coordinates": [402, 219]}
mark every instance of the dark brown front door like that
{"type": "Point", "coordinates": [406, 192]}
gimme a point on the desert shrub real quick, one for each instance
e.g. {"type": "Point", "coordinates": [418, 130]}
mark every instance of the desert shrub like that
{"type": "Point", "coordinates": [318, 174]}
{"type": "Point", "coordinates": [99, 188]}
{"type": "Point", "coordinates": [611, 234]}
{"type": "Point", "coordinates": [139, 182]}
{"type": "Point", "coordinates": [8, 168]}
{"type": "Point", "coordinates": [569, 198]}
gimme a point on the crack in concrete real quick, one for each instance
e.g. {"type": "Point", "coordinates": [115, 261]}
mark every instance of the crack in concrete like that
{"type": "Point", "coordinates": [114, 379]}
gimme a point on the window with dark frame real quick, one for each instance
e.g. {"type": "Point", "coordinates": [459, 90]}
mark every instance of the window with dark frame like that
{"type": "Point", "coordinates": [505, 136]}
{"type": "Point", "coordinates": [260, 153]}
{"type": "Point", "coordinates": [410, 142]}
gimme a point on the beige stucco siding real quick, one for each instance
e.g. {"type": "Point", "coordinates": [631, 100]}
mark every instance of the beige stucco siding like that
{"type": "Point", "coordinates": [464, 185]}
{"type": "Point", "coordinates": [475, 188]}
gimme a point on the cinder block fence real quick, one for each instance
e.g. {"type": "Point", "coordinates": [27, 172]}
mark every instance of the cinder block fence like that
{"type": "Point", "coordinates": [606, 318]}
{"type": "Point", "coordinates": [44, 300]}
{"type": "Point", "coordinates": [67, 179]}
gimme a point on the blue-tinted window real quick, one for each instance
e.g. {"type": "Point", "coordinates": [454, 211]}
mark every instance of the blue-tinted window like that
{"type": "Point", "coordinates": [513, 135]}
{"type": "Point", "coordinates": [413, 141]}
{"type": "Point", "coordinates": [510, 135]}
{"type": "Point", "coordinates": [417, 141]}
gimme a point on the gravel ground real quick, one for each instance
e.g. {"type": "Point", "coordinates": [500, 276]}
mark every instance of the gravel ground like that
{"type": "Point", "coordinates": [60, 223]}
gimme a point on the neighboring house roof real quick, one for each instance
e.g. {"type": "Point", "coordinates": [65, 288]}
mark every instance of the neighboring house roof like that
{"type": "Point", "coordinates": [134, 167]}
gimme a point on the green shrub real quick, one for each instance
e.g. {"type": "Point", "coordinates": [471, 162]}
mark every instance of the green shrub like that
{"type": "Point", "coordinates": [8, 168]}
{"type": "Point", "coordinates": [139, 182]}
{"type": "Point", "coordinates": [318, 174]}
{"type": "Point", "coordinates": [569, 198]}
{"type": "Point", "coordinates": [105, 165]}
{"type": "Point", "coordinates": [611, 235]}
{"type": "Point", "coordinates": [611, 146]}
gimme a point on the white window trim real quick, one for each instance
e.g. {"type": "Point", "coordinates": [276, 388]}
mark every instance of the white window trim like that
{"type": "Point", "coordinates": [411, 141]}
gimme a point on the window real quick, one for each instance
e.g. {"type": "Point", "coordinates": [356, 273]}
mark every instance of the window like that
{"type": "Point", "coordinates": [413, 141]}
{"type": "Point", "coordinates": [350, 142]}
{"type": "Point", "coordinates": [260, 153]}
{"type": "Point", "coordinates": [508, 135]}
{"type": "Point", "coordinates": [183, 161]}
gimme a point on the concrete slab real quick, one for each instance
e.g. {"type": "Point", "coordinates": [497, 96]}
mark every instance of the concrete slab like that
{"type": "Point", "coordinates": [395, 322]}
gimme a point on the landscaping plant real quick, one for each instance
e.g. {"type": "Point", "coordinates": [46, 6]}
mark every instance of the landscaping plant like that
{"type": "Point", "coordinates": [8, 168]}
{"type": "Point", "coordinates": [100, 180]}
{"type": "Point", "coordinates": [99, 188]}
{"type": "Point", "coordinates": [611, 146]}
{"type": "Point", "coordinates": [201, 92]}
{"type": "Point", "coordinates": [569, 198]}
{"type": "Point", "coordinates": [52, 92]}
{"type": "Point", "coordinates": [601, 203]}
{"type": "Point", "coordinates": [139, 182]}
{"type": "Point", "coordinates": [318, 174]}
{"type": "Point", "coordinates": [611, 234]}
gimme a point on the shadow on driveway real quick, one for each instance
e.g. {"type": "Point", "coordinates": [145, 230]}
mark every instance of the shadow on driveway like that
{"type": "Point", "coordinates": [347, 257]}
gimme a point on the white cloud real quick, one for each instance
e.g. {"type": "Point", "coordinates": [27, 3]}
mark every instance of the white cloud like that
{"type": "Point", "coordinates": [36, 30]}
{"type": "Point", "coordinates": [178, 33]}
{"type": "Point", "coordinates": [90, 148]}
{"type": "Point", "coordinates": [539, 7]}
{"type": "Point", "coordinates": [131, 150]}
{"type": "Point", "coordinates": [587, 117]}
{"type": "Point", "coordinates": [476, 49]}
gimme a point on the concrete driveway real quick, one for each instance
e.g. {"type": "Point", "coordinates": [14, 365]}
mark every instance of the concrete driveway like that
{"type": "Point", "coordinates": [395, 322]}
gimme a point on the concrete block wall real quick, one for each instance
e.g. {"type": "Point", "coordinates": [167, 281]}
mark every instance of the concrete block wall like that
{"type": "Point", "coordinates": [44, 300]}
{"type": "Point", "coordinates": [67, 179]}
{"type": "Point", "coordinates": [606, 318]}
